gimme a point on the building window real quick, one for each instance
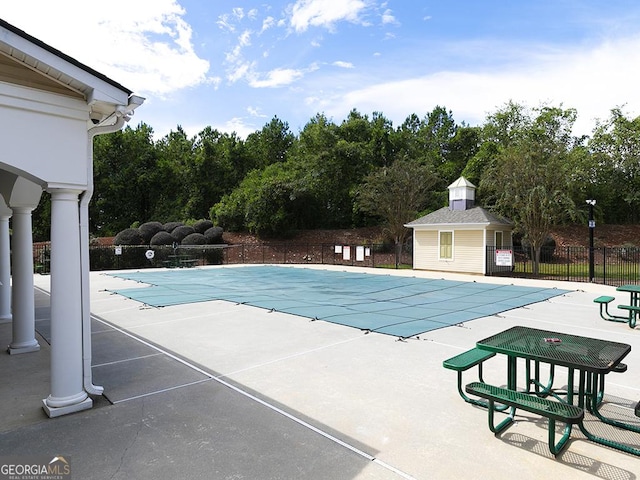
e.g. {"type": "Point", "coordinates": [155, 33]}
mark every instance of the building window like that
{"type": "Point", "coordinates": [499, 240]}
{"type": "Point", "coordinates": [446, 246]}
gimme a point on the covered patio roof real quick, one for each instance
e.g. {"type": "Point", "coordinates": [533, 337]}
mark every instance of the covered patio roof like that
{"type": "Point", "coordinates": [51, 107]}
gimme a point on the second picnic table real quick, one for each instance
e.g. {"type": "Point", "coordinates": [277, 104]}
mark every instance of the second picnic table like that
{"type": "Point", "coordinates": [634, 302]}
{"type": "Point", "coordinates": [592, 358]}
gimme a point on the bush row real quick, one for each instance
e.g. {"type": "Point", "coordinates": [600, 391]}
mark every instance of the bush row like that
{"type": "Point", "coordinates": [202, 232]}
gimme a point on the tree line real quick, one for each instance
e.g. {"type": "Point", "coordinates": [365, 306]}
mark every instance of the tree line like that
{"type": "Point", "coordinates": [363, 171]}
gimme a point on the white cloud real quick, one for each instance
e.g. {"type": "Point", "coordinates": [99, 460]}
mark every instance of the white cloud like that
{"type": "Point", "coordinates": [245, 39]}
{"type": "Point", "coordinates": [388, 18]}
{"type": "Point", "coordinates": [147, 49]}
{"type": "Point", "coordinates": [237, 125]}
{"type": "Point", "coordinates": [239, 72]}
{"type": "Point", "coordinates": [587, 80]}
{"type": "Point", "coordinates": [325, 13]}
{"type": "Point", "coordinates": [342, 64]}
{"type": "Point", "coordinates": [278, 77]}
{"type": "Point", "coordinates": [267, 23]}
{"type": "Point", "coordinates": [224, 23]}
{"type": "Point", "coordinates": [255, 112]}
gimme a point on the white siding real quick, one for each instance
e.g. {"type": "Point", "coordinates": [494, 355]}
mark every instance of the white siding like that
{"type": "Point", "coordinates": [425, 250]}
{"type": "Point", "coordinates": [467, 251]}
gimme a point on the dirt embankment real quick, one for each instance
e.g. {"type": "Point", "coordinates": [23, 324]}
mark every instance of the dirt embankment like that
{"type": "Point", "coordinates": [316, 237]}
{"type": "Point", "coordinates": [603, 235]}
{"type": "Point", "coordinates": [573, 235]}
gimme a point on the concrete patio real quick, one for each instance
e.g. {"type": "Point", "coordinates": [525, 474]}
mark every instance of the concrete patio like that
{"type": "Point", "coordinates": [218, 390]}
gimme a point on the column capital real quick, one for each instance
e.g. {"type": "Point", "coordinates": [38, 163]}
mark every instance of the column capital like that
{"type": "Point", "coordinates": [22, 209]}
{"type": "Point", "coordinates": [65, 193]}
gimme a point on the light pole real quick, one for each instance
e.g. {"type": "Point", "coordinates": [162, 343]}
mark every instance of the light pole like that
{"type": "Point", "coordinates": [592, 226]}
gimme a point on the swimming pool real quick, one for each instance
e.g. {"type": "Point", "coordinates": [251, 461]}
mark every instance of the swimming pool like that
{"type": "Point", "coordinates": [388, 304]}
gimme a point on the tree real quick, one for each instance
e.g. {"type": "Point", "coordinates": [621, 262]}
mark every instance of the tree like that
{"type": "Point", "coordinates": [127, 185]}
{"type": "Point", "coordinates": [395, 194]}
{"type": "Point", "coordinates": [176, 154]}
{"type": "Point", "coordinates": [615, 166]}
{"type": "Point", "coordinates": [219, 164]}
{"type": "Point", "coordinates": [269, 145]}
{"type": "Point", "coordinates": [271, 202]}
{"type": "Point", "coordinates": [530, 176]}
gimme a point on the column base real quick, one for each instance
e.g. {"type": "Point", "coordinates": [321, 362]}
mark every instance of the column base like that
{"type": "Point", "coordinates": [6, 318]}
{"type": "Point", "coordinates": [53, 412]}
{"type": "Point", "coordinates": [23, 349]}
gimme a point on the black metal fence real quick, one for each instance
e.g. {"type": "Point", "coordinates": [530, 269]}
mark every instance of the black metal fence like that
{"type": "Point", "coordinates": [612, 265]}
{"type": "Point", "coordinates": [128, 257]}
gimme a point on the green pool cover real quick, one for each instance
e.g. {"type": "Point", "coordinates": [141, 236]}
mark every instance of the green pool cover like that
{"type": "Point", "coordinates": [389, 304]}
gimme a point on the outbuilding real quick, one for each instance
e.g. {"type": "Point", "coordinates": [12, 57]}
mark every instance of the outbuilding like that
{"type": "Point", "coordinates": [461, 237]}
{"type": "Point", "coordinates": [51, 107]}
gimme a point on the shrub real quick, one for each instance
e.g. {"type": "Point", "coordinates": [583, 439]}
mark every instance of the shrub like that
{"type": "Point", "coordinates": [129, 236]}
{"type": "Point", "coordinates": [194, 239]}
{"type": "Point", "coordinates": [149, 229]}
{"type": "Point", "coordinates": [171, 226]}
{"type": "Point", "coordinates": [213, 235]}
{"type": "Point", "coordinates": [179, 233]}
{"type": "Point", "coordinates": [202, 226]}
{"type": "Point", "coordinates": [162, 238]}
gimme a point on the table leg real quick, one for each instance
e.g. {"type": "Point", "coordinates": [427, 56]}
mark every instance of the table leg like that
{"type": "Point", "coordinates": [588, 393]}
{"type": "Point", "coordinates": [539, 389]}
{"type": "Point", "coordinates": [595, 409]}
{"type": "Point", "coordinates": [512, 372]}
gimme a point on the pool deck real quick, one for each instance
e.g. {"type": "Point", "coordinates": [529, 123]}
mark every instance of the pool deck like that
{"type": "Point", "coordinates": [219, 390]}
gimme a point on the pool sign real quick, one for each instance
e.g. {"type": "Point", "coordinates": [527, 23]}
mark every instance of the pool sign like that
{"type": "Point", "coordinates": [504, 258]}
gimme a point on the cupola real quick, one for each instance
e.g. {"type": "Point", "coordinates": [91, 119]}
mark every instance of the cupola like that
{"type": "Point", "coordinates": [462, 194]}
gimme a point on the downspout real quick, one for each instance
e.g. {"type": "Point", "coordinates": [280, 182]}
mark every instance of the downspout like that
{"type": "Point", "coordinates": [85, 198]}
{"type": "Point", "coordinates": [122, 114]}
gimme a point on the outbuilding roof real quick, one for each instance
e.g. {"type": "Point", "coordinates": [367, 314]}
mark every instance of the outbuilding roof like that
{"type": "Point", "coordinates": [446, 216]}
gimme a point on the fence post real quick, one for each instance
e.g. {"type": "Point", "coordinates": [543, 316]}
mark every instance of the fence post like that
{"type": "Point", "coordinates": [604, 265]}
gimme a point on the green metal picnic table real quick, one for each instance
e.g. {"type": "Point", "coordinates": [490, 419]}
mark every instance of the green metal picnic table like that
{"type": "Point", "coordinates": [591, 357]}
{"type": "Point", "coordinates": [634, 303]}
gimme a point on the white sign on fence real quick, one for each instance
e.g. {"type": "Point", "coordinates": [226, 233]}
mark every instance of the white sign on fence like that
{"type": "Point", "coordinates": [504, 258]}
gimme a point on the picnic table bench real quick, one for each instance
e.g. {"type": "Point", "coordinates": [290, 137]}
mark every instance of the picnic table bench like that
{"type": "Point", "coordinates": [463, 362]}
{"type": "Point", "coordinates": [179, 261]}
{"type": "Point", "coordinates": [551, 409]}
{"type": "Point", "coordinates": [604, 301]}
{"type": "Point", "coordinates": [633, 308]}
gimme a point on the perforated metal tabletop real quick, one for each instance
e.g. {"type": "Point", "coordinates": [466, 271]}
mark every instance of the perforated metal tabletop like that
{"type": "Point", "coordinates": [573, 351]}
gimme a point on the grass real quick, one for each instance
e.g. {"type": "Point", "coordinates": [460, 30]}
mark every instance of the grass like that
{"type": "Point", "coordinates": [402, 266]}
{"type": "Point", "coordinates": [620, 272]}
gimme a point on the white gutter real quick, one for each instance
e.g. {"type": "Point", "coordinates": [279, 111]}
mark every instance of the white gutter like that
{"type": "Point", "coordinates": [122, 114]}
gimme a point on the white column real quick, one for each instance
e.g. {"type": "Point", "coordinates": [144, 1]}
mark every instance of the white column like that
{"type": "Point", "coordinates": [22, 297]}
{"type": "Point", "coordinates": [5, 265]}
{"type": "Point", "coordinates": [67, 390]}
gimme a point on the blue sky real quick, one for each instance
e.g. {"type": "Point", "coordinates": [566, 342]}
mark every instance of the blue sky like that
{"type": "Point", "coordinates": [235, 65]}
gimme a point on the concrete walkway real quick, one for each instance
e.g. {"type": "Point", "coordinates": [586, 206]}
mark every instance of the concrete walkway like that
{"type": "Point", "coordinates": [218, 390]}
